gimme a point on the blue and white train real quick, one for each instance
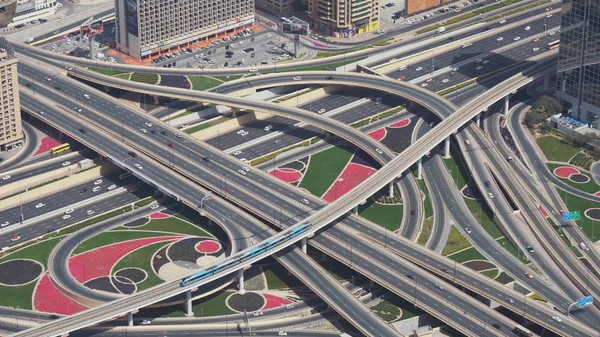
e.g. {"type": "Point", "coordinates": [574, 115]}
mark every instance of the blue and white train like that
{"type": "Point", "coordinates": [235, 260]}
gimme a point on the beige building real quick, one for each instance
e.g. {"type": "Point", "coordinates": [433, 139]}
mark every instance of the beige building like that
{"type": "Point", "coordinates": [278, 7]}
{"type": "Point", "coordinates": [344, 18]}
{"type": "Point", "coordinates": [11, 132]}
{"type": "Point", "coordinates": [148, 27]}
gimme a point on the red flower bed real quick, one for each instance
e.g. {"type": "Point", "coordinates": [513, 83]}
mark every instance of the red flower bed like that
{"type": "Point", "coordinates": [379, 134]}
{"type": "Point", "coordinates": [158, 215]}
{"type": "Point", "coordinates": [401, 124]}
{"type": "Point", "coordinates": [353, 175]}
{"type": "Point", "coordinates": [48, 298]}
{"type": "Point", "coordinates": [274, 301]}
{"type": "Point", "coordinates": [47, 144]}
{"type": "Point", "coordinates": [565, 171]}
{"type": "Point", "coordinates": [208, 246]}
{"type": "Point", "coordinates": [289, 175]}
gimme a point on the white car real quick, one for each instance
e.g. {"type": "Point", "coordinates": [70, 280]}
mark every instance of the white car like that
{"type": "Point", "coordinates": [423, 85]}
{"type": "Point", "coordinates": [479, 67]}
{"type": "Point", "coordinates": [485, 61]}
{"type": "Point", "coordinates": [321, 111]}
{"type": "Point", "coordinates": [90, 212]}
{"type": "Point", "coordinates": [67, 163]}
{"type": "Point", "coordinates": [253, 70]}
{"type": "Point", "coordinates": [490, 195]}
{"type": "Point", "coordinates": [478, 60]}
{"type": "Point", "coordinates": [517, 38]}
{"type": "Point", "coordinates": [445, 80]}
{"type": "Point", "coordinates": [178, 135]}
{"type": "Point", "coordinates": [246, 168]}
{"type": "Point", "coordinates": [535, 49]}
{"type": "Point", "coordinates": [4, 224]}
{"type": "Point", "coordinates": [41, 112]}
{"type": "Point", "coordinates": [242, 172]}
{"type": "Point", "coordinates": [143, 130]}
{"type": "Point", "coordinates": [419, 68]}
{"type": "Point", "coordinates": [66, 216]}
{"type": "Point", "coordinates": [145, 322]}
{"type": "Point", "coordinates": [244, 134]}
{"type": "Point", "coordinates": [257, 313]}
{"type": "Point", "coordinates": [502, 21]}
{"type": "Point", "coordinates": [6, 177]}
{"type": "Point", "coordinates": [500, 38]}
{"type": "Point", "coordinates": [86, 96]}
{"type": "Point", "coordinates": [69, 211]}
{"type": "Point", "coordinates": [557, 319]}
{"type": "Point", "coordinates": [244, 160]}
{"type": "Point", "coordinates": [112, 187]}
{"type": "Point", "coordinates": [239, 132]}
{"type": "Point", "coordinates": [155, 206]}
{"type": "Point", "coordinates": [297, 78]}
{"type": "Point", "coordinates": [468, 230]}
{"type": "Point", "coordinates": [138, 166]}
{"type": "Point", "coordinates": [455, 69]}
{"type": "Point", "coordinates": [98, 182]}
{"type": "Point", "coordinates": [549, 15]}
{"type": "Point", "coordinates": [282, 333]}
{"type": "Point", "coordinates": [40, 205]}
{"type": "Point", "coordinates": [148, 124]}
{"type": "Point", "coordinates": [236, 152]}
{"type": "Point", "coordinates": [379, 151]}
{"type": "Point", "coordinates": [527, 28]}
{"type": "Point", "coordinates": [551, 33]}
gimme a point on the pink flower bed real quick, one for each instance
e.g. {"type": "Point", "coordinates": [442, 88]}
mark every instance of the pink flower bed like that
{"type": "Point", "coordinates": [274, 301]}
{"type": "Point", "coordinates": [47, 144]}
{"type": "Point", "coordinates": [597, 194]}
{"type": "Point", "coordinates": [401, 124]}
{"type": "Point", "coordinates": [289, 175]}
{"type": "Point", "coordinates": [48, 298]}
{"type": "Point", "coordinates": [158, 215]}
{"type": "Point", "coordinates": [208, 246]}
{"type": "Point", "coordinates": [379, 134]}
{"type": "Point", "coordinates": [544, 213]}
{"type": "Point", "coordinates": [98, 262]}
{"type": "Point", "coordinates": [565, 171]}
{"type": "Point", "coordinates": [353, 175]}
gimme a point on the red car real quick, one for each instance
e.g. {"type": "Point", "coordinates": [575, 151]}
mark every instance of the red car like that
{"type": "Point", "coordinates": [528, 275]}
{"type": "Point", "coordinates": [401, 78]}
{"type": "Point", "coordinates": [15, 238]}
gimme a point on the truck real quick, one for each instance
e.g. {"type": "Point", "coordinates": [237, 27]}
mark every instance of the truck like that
{"type": "Point", "coordinates": [441, 29]}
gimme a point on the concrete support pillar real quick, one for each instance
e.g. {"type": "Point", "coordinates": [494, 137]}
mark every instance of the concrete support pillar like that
{"type": "Point", "coordinates": [130, 318]}
{"type": "Point", "coordinates": [156, 100]}
{"type": "Point", "coordinates": [188, 304]}
{"type": "Point", "coordinates": [506, 103]}
{"type": "Point", "coordinates": [241, 281]}
{"type": "Point", "coordinates": [356, 209]}
{"type": "Point", "coordinates": [234, 112]}
{"type": "Point", "coordinates": [420, 168]}
{"type": "Point", "coordinates": [447, 147]}
{"type": "Point", "coordinates": [478, 119]}
{"type": "Point", "coordinates": [303, 244]}
{"type": "Point", "coordinates": [391, 189]}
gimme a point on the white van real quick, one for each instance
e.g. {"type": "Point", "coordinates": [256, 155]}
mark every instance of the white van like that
{"type": "Point", "coordinates": [86, 96]}
{"type": "Point", "coordinates": [468, 142]}
{"type": "Point", "coordinates": [402, 68]}
{"type": "Point", "coordinates": [583, 246]}
{"type": "Point", "coordinates": [30, 40]}
{"type": "Point", "coordinates": [268, 128]}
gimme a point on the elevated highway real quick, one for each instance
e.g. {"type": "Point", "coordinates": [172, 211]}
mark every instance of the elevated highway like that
{"type": "Point", "coordinates": [396, 160]}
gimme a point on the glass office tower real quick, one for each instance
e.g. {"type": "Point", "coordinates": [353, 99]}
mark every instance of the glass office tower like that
{"type": "Point", "coordinates": [578, 77]}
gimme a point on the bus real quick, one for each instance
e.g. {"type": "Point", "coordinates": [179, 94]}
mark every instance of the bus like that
{"type": "Point", "coordinates": [124, 175]}
{"type": "Point", "coordinates": [522, 331]}
{"type": "Point", "coordinates": [60, 148]}
{"type": "Point", "coordinates": [553, 44]}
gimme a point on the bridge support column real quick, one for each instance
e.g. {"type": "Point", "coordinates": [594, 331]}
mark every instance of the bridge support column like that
{"type": "Point", "coordinates": [391, 189]}
{"type": "Point", "coordinates": [234, 112]}
{"type": "Point", "coordinates": [506, 104]}
{"type": "Point", "coordinates": [420, 168]}
{"type": "Point", "coordinates": [447, 147]}
{"type": "Point", "coordinates": [188, 304]}
{"type": "Point", "coordinates": [356, 209]}
{"type": "Point", "coordinates": [478, 119]}
{"type": "Point", "coordinates": [303, 244]}
{"type": "Point", "coordinates": [241, 289]}
{"type": "Point", "coordinates": [130, 318]}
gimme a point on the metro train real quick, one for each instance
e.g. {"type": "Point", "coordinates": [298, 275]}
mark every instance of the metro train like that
{"type": "Point", "coordinates": [235, 260]}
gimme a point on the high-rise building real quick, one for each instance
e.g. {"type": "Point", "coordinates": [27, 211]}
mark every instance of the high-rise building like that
{"type": "Point", "coordinates": [148, 27]}
{"type": "Point", "coordinates": [344, 18]}
{"type": "Point", "coordinates": [578, 76]}
{"type": "Point", "coordinates": [30, 10]}
{"type": "Point", "coordinates": [8, 8]}
{"type": "Point", "coordinates": [11, 132]}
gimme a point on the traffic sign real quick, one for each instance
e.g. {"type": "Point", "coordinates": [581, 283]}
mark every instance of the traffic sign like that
{"type": "Point", "coordinates": [587, 300]}
{"type": "Point", "coordinates": [572, 216]}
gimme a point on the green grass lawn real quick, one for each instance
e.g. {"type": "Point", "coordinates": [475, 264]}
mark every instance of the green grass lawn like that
{"type": "Point", "coordinates": [467, 255]}
{"type": "Point", "coordinates": [425, 231]}
{"type": "Point", "coordinates": [278, 277]}
{"type": "Point", "coordinates": [325, 54]}
{"type": "Point", "coordinates": [590, 187]}
{"type": "Point", "coordinates": [556, 150]}
{"type": "Point", "coordinates": [17, 296]}
{"type": "Point", "coordinates": [483, 214]}
{"type": "Point", "coordinates": [504, 242]}
{"type": "Point", "coordinates": [492, 273]}
{"type": "Point", "coordinates": [207, 125]}
{"type": "Point", "coordinates": [204, 82]}
{"type": "Point", "coordinates": [504, 278]}
{"type": "Point", "coordinates": [126, 76]}
{"type": "Point", "coordinates": [459, 176]}
{"type": "Point", "coordinates": [38, 252]}
{"type": "Point", "coordinates": [144, 202]}
{"type": "Point", "coordinates": [213, 305]}
{"type": "Point", "coordinates": [563, 236]}
{"type": "Point", "coordinates": [228, 78]}
{"type": "Point", "coordinates": [427, 202]}
{"type": "Point", "coordinates": [324, 168]}
{"type": "Point", "coordinates": [388, 216]}
{"type": "Point", "coordinates": [456, 242]}
{"type": "Point", "coordinates": [172, 225]}
{"type": "Point", "coordinates": [107, 71]}
{"type": "Point", "coordinates": [142, 258]}
{"type": "Point", "coordinates": [583, 160]}
{"type": "Point", "coordinates": [145, 78]}
{"type": "Point", "coordinates": [112, 237]}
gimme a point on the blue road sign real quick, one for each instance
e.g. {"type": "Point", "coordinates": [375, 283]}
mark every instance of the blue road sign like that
{"type": "Point", "coordinates": [571, 216]}
{"type": "Point", "coordinates": [585, 301]}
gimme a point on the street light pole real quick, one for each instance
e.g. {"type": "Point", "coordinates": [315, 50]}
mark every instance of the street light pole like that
{"type": "Point", "coordinates": [206, 197]}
